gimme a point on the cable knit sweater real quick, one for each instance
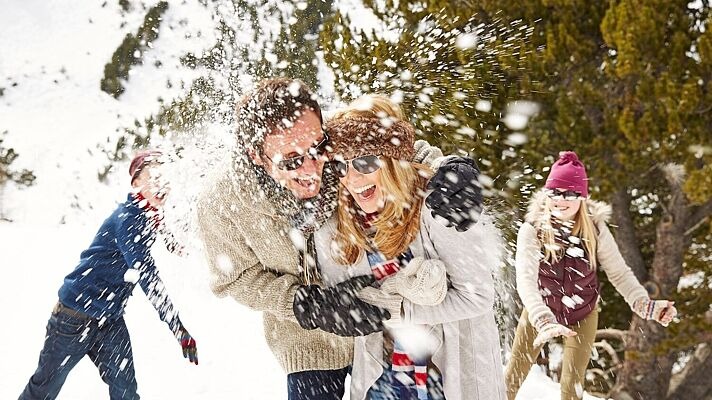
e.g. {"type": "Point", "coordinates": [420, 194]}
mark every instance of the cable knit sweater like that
{"type": "Point", "coordinates": [529, 255]}
{"type": "Point", "coordinates": [252, 258]}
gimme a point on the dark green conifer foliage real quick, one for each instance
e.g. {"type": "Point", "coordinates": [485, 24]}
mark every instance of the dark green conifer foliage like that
{"type": "Point", "coordinates": [131, 50]}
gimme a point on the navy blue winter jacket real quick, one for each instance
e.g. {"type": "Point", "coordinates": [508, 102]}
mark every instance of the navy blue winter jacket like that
{"type": "Point", "coordinates": [118, 258]}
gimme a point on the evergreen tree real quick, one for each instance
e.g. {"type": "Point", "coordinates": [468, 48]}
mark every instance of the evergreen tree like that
{"type": "Point", "coordinates": [22, 177]}
{"type": "Point", "coordinates": [256, 39]}
{"type": "Point", "coordinates": [626, 85]}
{"type": "Point", "coordinates": [130, 51]}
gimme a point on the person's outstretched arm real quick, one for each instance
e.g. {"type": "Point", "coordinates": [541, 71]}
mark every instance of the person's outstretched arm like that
{"type": "Point", "coordinates": [134, 240]}
{"type": "Point", "coordinates": [625, 282]}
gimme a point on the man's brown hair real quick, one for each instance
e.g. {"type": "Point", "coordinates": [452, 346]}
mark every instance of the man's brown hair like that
{"type": "Point", "coordinates": [273, 104]}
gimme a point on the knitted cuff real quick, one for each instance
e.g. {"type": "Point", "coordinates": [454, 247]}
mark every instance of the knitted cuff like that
{"type": "Point", "coordinates": [644, 308]}
{"type": "Point", "coordinates": [378, 298]}
{"type": "Point", "coordinates": [543, 321]}
{"type": "Point", "coordinates": [390, 284]}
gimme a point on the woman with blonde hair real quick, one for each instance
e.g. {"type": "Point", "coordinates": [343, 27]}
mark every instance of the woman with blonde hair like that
{"type": "Point", "coordinates": [436, 282]}
{"type": "Point", "coordinates": [562, 242]}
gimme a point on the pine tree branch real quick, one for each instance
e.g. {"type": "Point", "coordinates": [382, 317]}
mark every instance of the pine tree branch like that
{"type": "Point", "coordinates": [611, 334]}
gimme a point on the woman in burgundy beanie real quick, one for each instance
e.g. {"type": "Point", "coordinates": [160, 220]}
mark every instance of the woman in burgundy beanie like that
{"type": "Point", "coordinates": [563, 240]}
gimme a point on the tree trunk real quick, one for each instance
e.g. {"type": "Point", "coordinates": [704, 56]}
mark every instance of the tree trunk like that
{"type": "Point", "coordinates": [647, 369]}
{"type": "Point", "coordinates": [693, 382]}
{"type": "Point", "coordinates": [626, 238]}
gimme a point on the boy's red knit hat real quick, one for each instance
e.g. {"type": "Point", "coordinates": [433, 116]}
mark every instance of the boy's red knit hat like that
{"type": "Point", "coordinates": [141, 159]}
{"type": "Point", "coordinates": [569, 173]}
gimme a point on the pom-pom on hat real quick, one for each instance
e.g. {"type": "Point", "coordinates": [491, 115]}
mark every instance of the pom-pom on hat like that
{"type": "Point", "coordinates": [141, 159]}
{"type": "Point", "coordinates": [569, 173]}
{"type": "Point", "coordinates": [353, 137]}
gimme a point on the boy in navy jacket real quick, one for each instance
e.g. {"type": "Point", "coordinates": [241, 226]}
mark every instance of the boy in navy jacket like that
{"type": "Point", "coordinates": [88, 318]}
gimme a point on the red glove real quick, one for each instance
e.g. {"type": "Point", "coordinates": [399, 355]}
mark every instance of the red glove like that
{"type": "Point", "coordinates": [189, 346]}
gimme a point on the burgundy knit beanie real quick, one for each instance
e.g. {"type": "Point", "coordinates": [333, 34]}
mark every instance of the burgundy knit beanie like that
{"type": "Point", "coordinates": [569, 173]}
{"type": "Point", "coordinates": [141, 159]}
{"type": "Point", "coordinates": [353, 137]}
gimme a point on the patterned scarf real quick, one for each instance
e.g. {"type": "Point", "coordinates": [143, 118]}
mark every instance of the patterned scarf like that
{"type": "Point", "coordinates": [307, 216]}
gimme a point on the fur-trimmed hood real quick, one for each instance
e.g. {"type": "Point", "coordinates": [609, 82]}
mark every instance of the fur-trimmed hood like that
{"type": "Point", "coordinates": [536, 215]}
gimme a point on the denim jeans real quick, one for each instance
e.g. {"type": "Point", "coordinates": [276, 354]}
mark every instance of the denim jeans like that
{"type": "Point", "coordinates": [394, 385]}
{"type": "Point", "coordinates": [68, 340]}
{"type": "Point", "coordinates": [317, 385]}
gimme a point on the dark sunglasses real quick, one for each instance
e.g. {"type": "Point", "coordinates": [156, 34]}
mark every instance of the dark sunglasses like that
{"type": "Point", "coordinates": [296, 162]}
{"type": "Point", "coordinates": [556, 194]}
{"type": "Point", "coordinates": [363, 165]}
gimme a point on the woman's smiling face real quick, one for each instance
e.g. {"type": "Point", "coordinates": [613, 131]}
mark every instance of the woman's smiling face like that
{"type": "Point", "coordinates": [366, 189]}
{"type": "Point", "coordinates": [563, 209]}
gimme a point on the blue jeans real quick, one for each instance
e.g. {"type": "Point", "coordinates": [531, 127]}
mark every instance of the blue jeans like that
{"type": "Point", "coordinates": [68, 340]}
{"type": "Point", "coordinates": [394, 385]}
{"type": "Point", "coordinates": [317, 385]}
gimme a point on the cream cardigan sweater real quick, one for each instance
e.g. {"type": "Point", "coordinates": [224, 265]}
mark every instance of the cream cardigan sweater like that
{"type": "Point", "coordinates": [253, 259]}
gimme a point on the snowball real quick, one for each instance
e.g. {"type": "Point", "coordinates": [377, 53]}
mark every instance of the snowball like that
{"type": "Point", "coordinates": [576, 252]}
{"type": "Point", "coordinates": [516, 122]}
{"type": "Point", "coordinates": [517, 139]}
{"type": "Point", "coordinates": [467, 131]}
{"type": "Point", "coordinates": [224, 263]}
{"type": "Point", "coordinates": [271, 57]}
{"type": "Point", "coordinates": [297, 239]}
{"type": "Point", "coordinates": [132, 275]}
{"type": "Point", "coordinates": [483, 105]}
{"type": "Point", "coordinates": [466, 41]}
{"type": "Point", "coordinates": [568, 302]}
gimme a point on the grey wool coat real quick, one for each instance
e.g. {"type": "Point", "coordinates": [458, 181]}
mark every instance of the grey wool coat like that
{"type": "Point", "coordinates": [467, 351]}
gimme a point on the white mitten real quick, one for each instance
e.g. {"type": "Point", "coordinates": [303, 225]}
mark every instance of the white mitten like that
{"type": "Point", "coordinates": [426, 154]}
{"type": "Point", "coordinates": [379, 298]}
{"type": "Point", "coordinates": [423, 282]}
{"type": "Point", "coordinates": [662, 311]}
{"type": "Point", "coordinates": [549, 329]}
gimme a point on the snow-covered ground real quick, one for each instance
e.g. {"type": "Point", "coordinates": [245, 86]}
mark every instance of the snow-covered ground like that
{"type": "Point", "coordinates": [235, 362]}
{"type": "Point", "coordinates": [52, 56]}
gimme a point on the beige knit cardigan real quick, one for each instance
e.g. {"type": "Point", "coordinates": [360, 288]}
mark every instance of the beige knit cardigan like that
{"type": "Point", "coordinates": [252, 258]}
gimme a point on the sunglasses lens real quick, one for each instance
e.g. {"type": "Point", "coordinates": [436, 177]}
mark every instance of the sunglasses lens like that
{"type": "Point", "coordinates": [366, 164]}
{"type": "Point", "coordinates": [568, 195]}
{"type": "Point", "coordinates": [292, 163]}
{"type": "Point", "coordinates": [341, 168]}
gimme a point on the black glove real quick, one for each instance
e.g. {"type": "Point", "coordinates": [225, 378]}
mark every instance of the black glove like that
{"type": "Point", "coordinates": [456, 193]}
{"type": "Point", "coordinates": [337, 309]}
